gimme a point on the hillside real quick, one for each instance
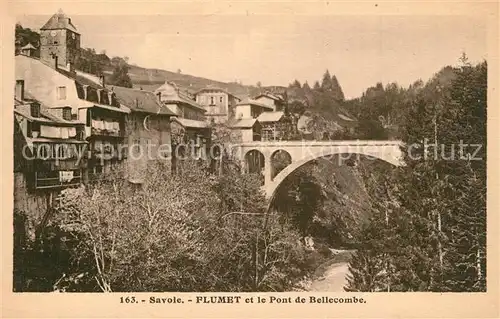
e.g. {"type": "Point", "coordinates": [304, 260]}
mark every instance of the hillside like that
{"type": "Point", "coordinates": [150, 79]}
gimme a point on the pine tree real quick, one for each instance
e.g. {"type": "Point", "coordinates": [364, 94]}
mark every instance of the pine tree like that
{"type": "Point", "coordinates": [326, 83]}
{"type": "Point", "coordinates": [337, 90]}
{"type": "Point", "coordinates": [316, 86]}
{"type": "Point", "coordinates": [306, 87]}
{"type": "Point", "coordinates": [437, 239]}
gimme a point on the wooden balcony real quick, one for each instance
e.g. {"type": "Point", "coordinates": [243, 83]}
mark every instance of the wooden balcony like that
{"type": "Point", "coordinates": [104, 132]}
{"type": "Point", "coordinates": [42, 181]}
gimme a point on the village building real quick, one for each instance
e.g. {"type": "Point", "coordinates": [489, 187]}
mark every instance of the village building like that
{"type": "Point", "coordinates": [189, 125]}
{"type": "Point", "coordinates": [28, 50]}
{"type": "Point", "coordinates": [246, 130]}
{"type": "Point", "coordinates": [50, 154]}
{"type": "Point", "coordinates": [251, 109]}
{"type": "Point", "coordinates": [275, 101]}
{"type": "Point", "coordinates": [147, 130]}
{"type": "Point", "coordinates": [52, 80]}
{"type": "Point", "coordinates": [245, 125]}
{"type": "Point", "coordinates": [219, 104]}
{"type": "Point", "coordinates": [275, 126]}
{"type": "Point", "coordinates": [60, 38]}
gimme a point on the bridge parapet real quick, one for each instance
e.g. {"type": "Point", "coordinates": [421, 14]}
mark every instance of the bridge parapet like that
{"type": "Point", "coordinates": [302, 152]}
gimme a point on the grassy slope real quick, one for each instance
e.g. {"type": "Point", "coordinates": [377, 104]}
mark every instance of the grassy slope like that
{"type": "Point", "coordinates": [150, 79]}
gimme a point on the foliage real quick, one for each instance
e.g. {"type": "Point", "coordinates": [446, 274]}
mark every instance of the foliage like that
{"type": "Point", "coordinates": [435, 238]}
{"type": "Point", "coordinates": [120, 75]}
{"type": "Point", "coordinates": [23, 36]}
{"type": "Point", "coordinates": [175, 233]}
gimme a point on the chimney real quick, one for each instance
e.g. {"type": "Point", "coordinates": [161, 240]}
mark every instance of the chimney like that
{"type": "Point", "coordinates": [102, 80]}
{"type": "Point", "coordinates": [159, 96]}
{"type": "Point", "coordinates": [85, 91]}
{"type": "Point", "coordinates": [19, 94]}
{"type": "Point", "coordinates": [55, 61]}
{"type": "Point", "coordinates": [71, 68]}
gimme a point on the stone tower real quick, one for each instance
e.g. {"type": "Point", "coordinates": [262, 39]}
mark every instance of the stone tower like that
{"type": "Point", "coordinates": [60, 41]}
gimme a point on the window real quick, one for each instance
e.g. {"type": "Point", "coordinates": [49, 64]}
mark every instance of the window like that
{"type": "Point", "coordinates": [221, 99]}
{"type": "Point", "coordinates": [62, 151]}
{"type": "Point", "coordinates": [61, 93]}
{"type": "Point", "coordinates": [211, 100]}
{"type": "Point", "coordinates": [35, 109]}
{"type": "Point", "coordinates": [67, 113]}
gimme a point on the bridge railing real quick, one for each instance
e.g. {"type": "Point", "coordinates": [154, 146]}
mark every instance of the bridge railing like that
{"type": "Point", "coordinates": [322, 143]}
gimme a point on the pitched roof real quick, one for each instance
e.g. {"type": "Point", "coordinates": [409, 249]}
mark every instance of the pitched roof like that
{"type": "Point", "coordinates": [59, 21]}
{"type": "Point", "coordinates": [23, 108]}
{"type": "Point", "coordinates": [248, 101]}
{"type": "Point", "coordinates": [78, 77]}
{"type": "Point", "coordinates": [28, 46]}
{"type": "Point", "coordinates": [140, 100]}
{"type": "Point", "coordinates": [269, 95]}
{"type": "Point", "coordinates": [270, 116]}
{"type": "Point", "coordinates": [190, 123]}
{"type": "Point", "coordinates": [215, 88]}
{"type": "Point", "coordinates": [175, 96]}
{"type": "Point", "coordinates": [244, 123]}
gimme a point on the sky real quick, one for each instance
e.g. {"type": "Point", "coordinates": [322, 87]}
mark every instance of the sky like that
{"type": "Point", "coordinates": [277, 49]}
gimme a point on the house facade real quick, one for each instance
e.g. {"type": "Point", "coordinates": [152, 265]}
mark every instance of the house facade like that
{"type": "Point", "coordinates": [148, 133]}
{"type": "Point", "coordinates": [218, 103]}
{"type": "Point", "coordinates": [251, 109]}
{"type": "Point", "coordinates": [275, 126]}
{"type": "Point", "coordinates": [57, 85]}
{"type": "Point", "coordinates": [50, 154]}
{"type": "Point", "coordinates": [246, 130]}
{"type": "Point", "coordinates": [189, 125]}
{"type": "Point", "coordinates": [275, 101]}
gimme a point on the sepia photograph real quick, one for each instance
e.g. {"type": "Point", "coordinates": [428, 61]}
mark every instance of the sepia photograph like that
{"type": "Point", "coordinates": [258, 152]}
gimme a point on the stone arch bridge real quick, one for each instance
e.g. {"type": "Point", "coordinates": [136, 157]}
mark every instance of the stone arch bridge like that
{"type": "Point", "coordinates": [299, 153]}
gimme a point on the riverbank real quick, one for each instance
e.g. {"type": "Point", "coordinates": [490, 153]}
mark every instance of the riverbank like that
{"type": "Point", "coordinates": [331, 276]}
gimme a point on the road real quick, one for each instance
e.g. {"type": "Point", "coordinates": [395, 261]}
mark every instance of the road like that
{"type": "Point", "coordinates": [333, 280]}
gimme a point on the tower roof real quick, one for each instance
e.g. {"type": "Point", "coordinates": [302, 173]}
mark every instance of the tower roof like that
{"type": "Point", "coordinates": [59, 21]}
{"type": "Point", "coordinates": [28, 46]}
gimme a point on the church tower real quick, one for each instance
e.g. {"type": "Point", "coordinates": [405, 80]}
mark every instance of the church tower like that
{"type": "Point", "coordinates": [60, 41]}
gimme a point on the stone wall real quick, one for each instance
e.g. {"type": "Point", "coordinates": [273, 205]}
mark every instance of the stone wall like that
{"type": "Point", "coordinates": [32, 206]}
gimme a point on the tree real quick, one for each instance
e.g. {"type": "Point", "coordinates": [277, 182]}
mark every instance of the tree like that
{"type": "Point", "coordinates": [120, 75]}
{"type": "Point", "coordinates": [440, 228]}
{"type": "Point", "coordinates": [337, 90]}
{"type": "Point", "coordinates": [190, 231]}
{"type": "Point", "coordinates": [295, 85]}
{"type": "Point", "coordinates": [306, 87]}
{"type": "Point", "coordinates": [326, 82]}
{"type": "Point", "coordinates": [23, 36]}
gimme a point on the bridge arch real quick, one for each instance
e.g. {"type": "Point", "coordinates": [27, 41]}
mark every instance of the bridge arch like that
{"type": "Point", "coordinates": [280, 159]}
{"type": "Point", "coordinates": [271, 187]}
{"type": "Point", "coordinates": [254, 161]}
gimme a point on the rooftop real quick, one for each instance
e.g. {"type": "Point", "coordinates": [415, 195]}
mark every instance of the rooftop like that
{"type": "Point", "coordinates": [140, 100]}
{"type": "Point", "coordinates": [172, 94]}
{"type": "Point", "coordinates": [190, 123]}
{"type": "Point", "coordinates": [270, 116]}
{"type": "Point", "coordinates": [244, 123]}
{"type": "Point", "coordinates": [59, 21]}
{"type": "Point", "coordinates": [269, 95]}
{"type": "Point", "coordinates": [216, 89]}
{"type": "Point", "coordinates": [28, 46]}
{"type": "Point", "coordinates": [47, 115]}
{"type": "Point", "coordinates": [249, 101]}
